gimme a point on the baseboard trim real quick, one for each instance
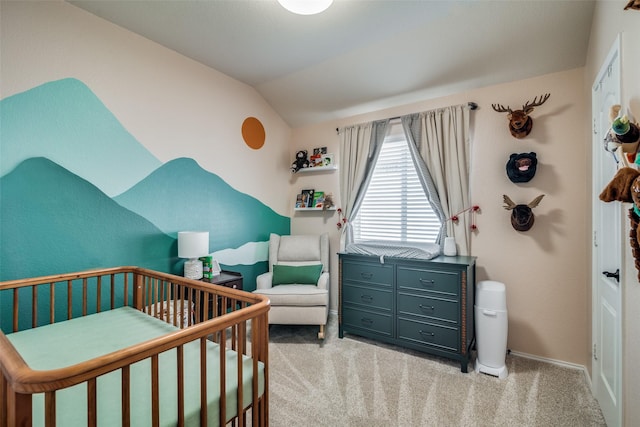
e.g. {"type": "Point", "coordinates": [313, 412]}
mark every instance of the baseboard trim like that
{"type": "Point", "coordinates": [562, 363]}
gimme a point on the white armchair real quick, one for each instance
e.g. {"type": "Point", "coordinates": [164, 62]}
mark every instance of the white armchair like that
{"type": "Point", "coordinates": [297, 282]}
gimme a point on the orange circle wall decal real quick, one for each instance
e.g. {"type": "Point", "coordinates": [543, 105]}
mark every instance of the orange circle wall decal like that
{"type": "Point", "coordinates": [253, 133]}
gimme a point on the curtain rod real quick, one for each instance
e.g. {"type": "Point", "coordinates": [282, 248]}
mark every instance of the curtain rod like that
{"type": "Point", "coordinates": [472, 106]}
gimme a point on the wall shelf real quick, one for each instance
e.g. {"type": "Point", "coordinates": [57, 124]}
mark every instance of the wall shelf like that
{"type": "Point", "coordinates": [314, 209]}
{"type": "Point", "coordinates": [319, 169]}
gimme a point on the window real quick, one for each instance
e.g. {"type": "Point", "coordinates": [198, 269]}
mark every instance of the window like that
{"type": "Point", "coordinates": [395, 208]}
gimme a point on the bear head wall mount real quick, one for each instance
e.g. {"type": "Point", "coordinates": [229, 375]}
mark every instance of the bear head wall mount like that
{"type": "Point", "coordinates": [522, 167]}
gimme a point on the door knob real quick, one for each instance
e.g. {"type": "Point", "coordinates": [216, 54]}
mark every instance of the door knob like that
{"type": "Point", "coordinates": [615, 275]}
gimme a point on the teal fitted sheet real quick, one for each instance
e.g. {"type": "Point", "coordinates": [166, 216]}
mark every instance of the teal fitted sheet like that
{"type": "Point", "coordinates": [73, 341]}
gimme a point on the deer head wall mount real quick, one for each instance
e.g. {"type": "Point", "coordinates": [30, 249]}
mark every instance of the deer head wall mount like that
{"type": "Point", "coordinates": [520, 123]}
{"type": "Point", "coordinates": [522, 217]}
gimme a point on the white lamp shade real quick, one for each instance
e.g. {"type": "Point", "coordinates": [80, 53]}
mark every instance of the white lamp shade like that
{"type": "Point", "coordinates": [193, 244]}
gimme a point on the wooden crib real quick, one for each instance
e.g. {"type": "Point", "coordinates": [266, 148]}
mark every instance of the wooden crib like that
{"type": "Point", "coordinates": [130, 346]}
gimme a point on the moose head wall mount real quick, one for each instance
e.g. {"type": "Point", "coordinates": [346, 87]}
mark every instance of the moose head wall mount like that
{"type": "Point", "coordinates": [522, 216]}
{"type": "Point", "coordinates": [520, 123]}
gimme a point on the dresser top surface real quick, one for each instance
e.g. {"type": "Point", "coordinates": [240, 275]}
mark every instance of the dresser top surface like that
{"type": "Point", "coordinates": [441, 259]}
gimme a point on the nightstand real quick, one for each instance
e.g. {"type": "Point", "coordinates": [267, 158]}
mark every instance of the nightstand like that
{"type": "Point", "coordinates": [229, 279]}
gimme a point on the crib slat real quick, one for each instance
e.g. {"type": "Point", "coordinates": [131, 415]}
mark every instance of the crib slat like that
{"type": "Point", "coordinates": [112, 291]}
{"type": "Point", "coordinates": [50, 409]}
{"type": "Point", "coordinates": [126, 396]}
{"type": "Point", "coordinates": [92, 403]}
{"type": "Point", "coordinates": [99, 294]}
{"type": "Point", "coordinates": [34, 306]}
{"type": "Point", "coordinates": [15, 309]}
{"type": "Point", "coordinates": [203, 382]}
{"type": "Point", "coordinates": [52, 303]}
{"type": "Point", "coordinates": [126, 289]}
{"type": "Point", "coordinates": [223, 376]}
{"type": "Point", "coordinates": [180, 368]}
{"type": "Point", "coordinates": [84, 296]}
{"type": "Point", "coordinates": [69, 299]}
{"type": "Point", "coordinates": [3, 401]}
{"type": "Point", "coordinates": [155, 392]}
{"type": "Point", "coordinates": [240, 395]}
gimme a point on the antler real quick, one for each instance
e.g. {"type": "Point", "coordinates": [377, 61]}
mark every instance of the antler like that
{"type": "Point", "coordinates": [535, 201]}
{"type": "Point", "coordinates": [500, 109]}
{"type": "Point", "coordinates": [535, 102]}
{"type": "Point", "coordinates": [508, 202]}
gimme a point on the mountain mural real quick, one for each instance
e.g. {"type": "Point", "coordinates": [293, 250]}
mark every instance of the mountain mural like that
{"type": "Point", "coordinates": [56, 222]}
{"type": "Point", "coordinates": [180, 195]}
{"type": "Point", "coordinates": [66, 122]}
{"type": "Point", "coordinates": [78, 191]}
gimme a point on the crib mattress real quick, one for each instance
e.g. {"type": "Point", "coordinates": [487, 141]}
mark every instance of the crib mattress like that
{"type": "Point", "coordinates": [73, 341]}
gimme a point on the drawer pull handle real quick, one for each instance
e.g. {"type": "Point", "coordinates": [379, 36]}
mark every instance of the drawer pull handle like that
{"type": "Point", "coordinates": [427, 282]}
{"type": "Point", "coordinates": [366, 320]}
{"type": "Point", "coordinates": [366, 297]}
{"type": "Point", "coordinates": [429, 334]}
{"type": "Point", "coordinates": [426, 307]}
{"type": "Point", "coordinates": [366, 275]}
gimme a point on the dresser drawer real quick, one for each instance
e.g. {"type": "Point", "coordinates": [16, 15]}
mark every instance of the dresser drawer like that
{"type": "Point", "coordinates": [372, 322]}
{"type": "Point", "coordinates": [442, 282]}
{"type": "Point", "coordinates": [443, 337]}
{"type": "Point", "coordinates": [360, 295]}
{"type": "Point", "coordinates": [379, 274]}
{"type": "Point", "coordinates": [432, 308]}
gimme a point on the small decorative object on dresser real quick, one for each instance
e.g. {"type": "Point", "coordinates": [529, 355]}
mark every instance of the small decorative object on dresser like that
{"type": "Point", "coordinates": [450, 247]}
{"type": "Point", "coordinates": [418, 304]}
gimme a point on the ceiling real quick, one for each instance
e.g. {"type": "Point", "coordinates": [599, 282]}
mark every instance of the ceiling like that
{"type": "Point", "coordinates": [363, 55]}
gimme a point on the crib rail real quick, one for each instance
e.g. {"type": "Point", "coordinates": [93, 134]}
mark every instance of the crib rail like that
{"type": "Point", "coordinates": [200, 310]}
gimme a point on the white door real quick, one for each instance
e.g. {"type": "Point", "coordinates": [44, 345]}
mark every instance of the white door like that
{"type": "Point", "coordinates": [607, 251]}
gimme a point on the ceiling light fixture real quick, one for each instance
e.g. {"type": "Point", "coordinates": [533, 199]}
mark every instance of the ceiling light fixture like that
{"type": "Point", "coordinates": [305, 7]}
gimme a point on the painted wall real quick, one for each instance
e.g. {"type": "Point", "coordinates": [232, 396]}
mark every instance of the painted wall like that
{"type": "Point", "coordinates": [545, 269]}
{"type": "Point", "coordinates": [610, 19]}
{"type": "Point", "coordinates": [111, 144]}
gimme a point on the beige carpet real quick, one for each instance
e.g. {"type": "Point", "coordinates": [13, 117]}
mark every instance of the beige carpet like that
{"type": "Point", "coordinates": [358, 382]}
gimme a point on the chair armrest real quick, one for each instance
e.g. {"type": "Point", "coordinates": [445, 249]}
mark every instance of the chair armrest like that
{"type": "Point", "coordinates": [264, 280]}
{"type": "Point", "coordinates": [323, 281]}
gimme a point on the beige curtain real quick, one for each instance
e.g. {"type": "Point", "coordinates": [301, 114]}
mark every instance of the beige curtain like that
{"type": "Point", "coordinates": [444, 146]}
{"type": "Point", "coordinates": [359, 145]}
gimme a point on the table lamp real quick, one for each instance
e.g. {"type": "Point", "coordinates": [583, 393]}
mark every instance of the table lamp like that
{"type": "Point", "coordinates": [193, 244]}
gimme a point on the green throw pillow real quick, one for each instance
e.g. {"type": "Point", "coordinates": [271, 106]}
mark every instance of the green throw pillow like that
{"type": "Point", "coordinates": [300, 274]}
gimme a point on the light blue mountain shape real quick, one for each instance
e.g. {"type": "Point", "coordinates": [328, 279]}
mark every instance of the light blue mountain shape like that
{"type": "Point", "coordinates": [65, 122]}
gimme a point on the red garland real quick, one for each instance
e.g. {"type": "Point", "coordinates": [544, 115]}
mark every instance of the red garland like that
{"type": "Point", "coordinates": [341, 219]}
{"type": "Point", "coordinates": [473, 209]}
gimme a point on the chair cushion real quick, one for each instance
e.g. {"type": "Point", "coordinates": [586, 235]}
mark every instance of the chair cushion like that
{"type": "Point", "coordinates": [299, 295]}
{"type": "Point", "coordinates": [301, 274]}
{"type": "Point", "coordinates": [299, 248]}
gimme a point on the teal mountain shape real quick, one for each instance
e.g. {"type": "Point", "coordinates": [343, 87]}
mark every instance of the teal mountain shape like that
{"type": "Point", "coordinates": [182, 196]}
{"type": "Point", "coordinates": [66, 122]}
{"type": "Point", "coordinates": [52, 221]}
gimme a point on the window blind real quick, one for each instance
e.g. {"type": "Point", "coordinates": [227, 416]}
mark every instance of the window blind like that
{"type": "Point", "coordinates": [395, 207]}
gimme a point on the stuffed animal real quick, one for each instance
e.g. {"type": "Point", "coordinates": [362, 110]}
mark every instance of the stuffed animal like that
{"type": "Point", "coordinates": [633, 4]}
{"type": "Point", "coordinates": [522, 167]}
{"type": "Point", "coordinates": [623, 132]}
{"type": "Point", "coordinates": [300, 162]}
{"type": "Point", "coordinates": [625, 187]}
{"type": "Point", "coordinates": [328, 202]}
